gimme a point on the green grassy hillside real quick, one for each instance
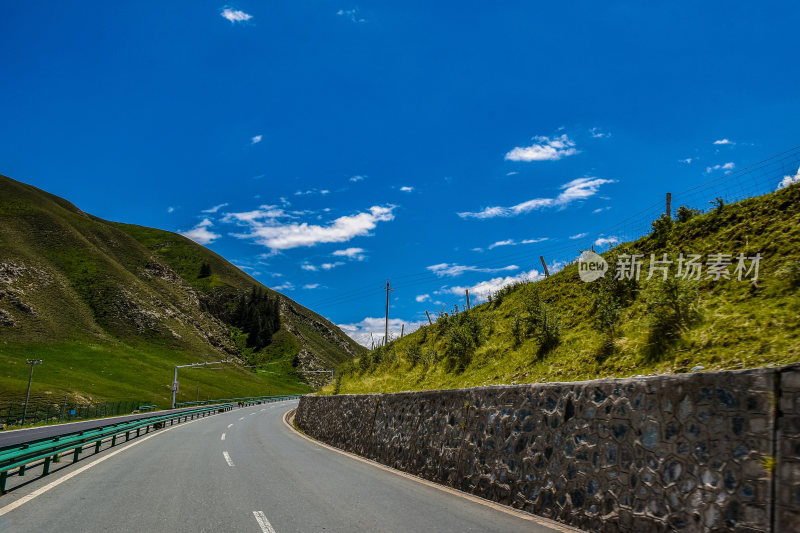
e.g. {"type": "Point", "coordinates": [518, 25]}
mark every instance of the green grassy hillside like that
{"type": "Point", "coordinates": [112, 307]}
{"type": "Point", "coordinates": [562, 329]}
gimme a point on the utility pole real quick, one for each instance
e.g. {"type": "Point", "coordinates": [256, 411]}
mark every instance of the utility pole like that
{"type": "Point", "coordinates": [386, 332]}
{"type": "Point", "coordinates": [402, 330]}
{"type": "Point", "coordinates": [544, 264]}
{"type": "Point", "coordinates": [32, 362]}
{"type": "Point", "coordinates": [175, 379]}
{"type": "Point", "coordinates": [468, 306]}
{"type": "Point", "coordinates": [427, 314]}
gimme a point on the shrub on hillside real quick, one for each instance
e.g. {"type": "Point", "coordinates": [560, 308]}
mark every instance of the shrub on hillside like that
{"type": "Point", "coordinates": [538, 320]}
{"type": "Point", "coordinates": [661, 229]}
{"type": "Point", "coordinates": [791, 273]}
{"type": "Point", "coordinates": [684, 214]}
{"type": "Point", "coordinates": [672, 309]}
{"type": "Point", "coordinates": [462, 336]}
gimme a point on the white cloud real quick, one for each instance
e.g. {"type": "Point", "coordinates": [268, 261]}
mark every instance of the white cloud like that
{"type": "Point", "coordinates": [454, 269]}
{"type": "Point", "coordinates": [789, 180]}
{"type": "Point", "coordinates": [599, 134]}
{"type": "Point", "coordinates": [601, 209]}
{"type": "Point", "coordinates": [234, 15]}
{"type": "Point", "coordinates": [484, 288]}
{"type": "Point", "coordinates": [256, 139]}
{"type": "Point", "coordinates": [311, 286]}
{"type": "Point", "coordinates": [544, 149]}
{"type": "Point", "coordinates": [170, 209]}
{"type": "Point", "coordinates": [268, 228]}
{"type": "Point", "coordinates": [406, 189]}
{"type": "Point", "coordinates": [687, 160]}
{"type": "Point", "coordinates": [201, 234]}
{"type": "Point", "coordinates": [309, 267]}
{"type": "Point", "coordinates": [330, 266]}
{"type": "Point", "coordinates": [723, 141]}
{"type": "Point", "coordinates": [578, 236]}
{"type": "Point", "coordinates": [355, 179]}
{"type": "Point", "coordinates": [215, 208]}
{"type": "Point", "coordinates": [422, 298]}
{"type": "Point", "coordinates": [312, 191]}
{"type": "Point", "coordinates": [512, 242]}
{"type": "Point", "coordinates": [726, 166]}
{"type": "Point", "coordinates": [286, 286]}
{"type": "Point", "coordinates": [373, 327]}
{"type": "Point", "coordinates": [352, 14]}
{"type": "Point", "coordinates": [508, 242]}
{"type": "Point", "coordinates": [603, 241]}
{"type": "Point", "coordinates": [577, 189]}
{"type": "Point", "coordinates": [512, 173]}
{"type": "Point", "coordinates": [356, 254]}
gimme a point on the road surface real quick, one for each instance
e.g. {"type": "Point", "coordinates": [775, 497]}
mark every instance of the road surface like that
{"type": "Point", "coordinates": [243, 470]}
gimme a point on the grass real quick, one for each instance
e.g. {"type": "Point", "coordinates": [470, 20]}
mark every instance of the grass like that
{"type": "Point", "coordinates": [124, 372]}
{"type": "Point", "coordinates": [660, 329]}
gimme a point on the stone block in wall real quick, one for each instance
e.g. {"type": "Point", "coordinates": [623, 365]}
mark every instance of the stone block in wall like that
{"type": "Point", "coordinates": [787, 483]}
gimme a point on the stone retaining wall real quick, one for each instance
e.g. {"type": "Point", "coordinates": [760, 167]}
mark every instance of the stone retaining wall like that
{"type": "Point", "coordinates": [687, 452]}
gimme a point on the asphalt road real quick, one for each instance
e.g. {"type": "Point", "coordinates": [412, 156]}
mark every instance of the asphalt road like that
{"type": "Point", "coordinates": [243, 470]}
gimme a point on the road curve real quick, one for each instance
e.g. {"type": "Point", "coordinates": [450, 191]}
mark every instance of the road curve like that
{"type": "Point", "coordinates": [243, 470]}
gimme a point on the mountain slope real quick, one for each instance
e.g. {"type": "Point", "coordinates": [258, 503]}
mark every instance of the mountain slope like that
{"type": "Point", "coordinates": [562, 329]}
{"type": "Point", "coordinates": [102, 297]}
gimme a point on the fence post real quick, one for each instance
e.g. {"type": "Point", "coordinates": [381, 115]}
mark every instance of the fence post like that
{"type": "Point", "coordinates": [669, 205]}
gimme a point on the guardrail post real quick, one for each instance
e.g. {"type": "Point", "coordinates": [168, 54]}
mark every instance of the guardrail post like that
{"type": "Point", "coordinates": [46, 469]}
{"type": "Point", "coordinates": [113, 441]}
{"type": "Point", "coordinates": [3, 477]}
{"type": "Point", "coordinates": [127, 436]}
{"type": "Point", "coordinates": [57, 458]}
{"type": "Point", "coordinates": [21, 471]}
{"type": "Point", "coordinates": [76, 453]}
{"type": "Point", "coordinates": [137, 431]}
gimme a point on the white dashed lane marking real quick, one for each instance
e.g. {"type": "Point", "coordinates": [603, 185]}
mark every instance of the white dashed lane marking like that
{"type": "Point", "coordinates": [223, 437]}
{"type": "Point", "coordinates": [261, 518]}
{"type": "Point", "coordinates": [228, 458]}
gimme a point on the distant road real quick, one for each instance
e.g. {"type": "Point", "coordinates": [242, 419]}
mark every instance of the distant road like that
{"type": "Point", "coordinates": [243, 470]}
{"type": "Point", "coordinates": [16, 436]}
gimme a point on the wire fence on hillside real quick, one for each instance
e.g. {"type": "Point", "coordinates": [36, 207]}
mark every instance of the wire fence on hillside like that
{"type": "Point", "coordinates": [11, 414]}
{"type": "Point", "coordinates": [731, 186]}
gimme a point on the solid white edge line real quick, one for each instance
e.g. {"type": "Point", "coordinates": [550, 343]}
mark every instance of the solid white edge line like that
{"type": "Point", "coordinates": [38, 492]}
{"type": "Point", "coordinates": [223, 437]}
{"type": "Point", "coordinates": [558, 526]}
{"type": "Point", "coordinates": [261, 518]}
{"type": "Point", "coordinates": [228, 459]}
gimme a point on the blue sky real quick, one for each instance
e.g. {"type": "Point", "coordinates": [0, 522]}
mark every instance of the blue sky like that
{"type": "Point", "coordinates": [325, 146]}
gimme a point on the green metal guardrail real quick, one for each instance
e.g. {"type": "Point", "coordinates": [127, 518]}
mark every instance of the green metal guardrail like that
{"type": "Point", "coordinates": [51, 448]}
{"type": "Point", "coordinates": [251, 400]}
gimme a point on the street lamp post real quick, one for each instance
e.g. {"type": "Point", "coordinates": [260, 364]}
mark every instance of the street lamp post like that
{"type": "Point", "coordinates": [175, 379]}
{"type": "Point", "coordinates": [31, 362]}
